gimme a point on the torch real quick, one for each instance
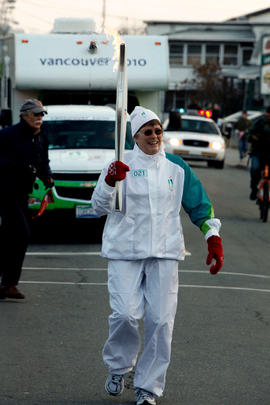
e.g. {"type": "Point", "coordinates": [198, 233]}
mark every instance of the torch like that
{"type": "Point", "coordinates": [120, 120]}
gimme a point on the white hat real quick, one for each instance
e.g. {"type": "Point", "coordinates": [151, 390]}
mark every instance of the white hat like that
{"type": "Point", "coordinates": [139, 117]}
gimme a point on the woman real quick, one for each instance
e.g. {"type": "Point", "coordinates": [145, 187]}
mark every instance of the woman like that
{"type": "Point", "coordinates": [143, 244]}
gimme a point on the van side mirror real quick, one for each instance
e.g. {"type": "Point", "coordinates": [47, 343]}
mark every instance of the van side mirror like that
{"type": "Point", "coordinates": [6, 117]}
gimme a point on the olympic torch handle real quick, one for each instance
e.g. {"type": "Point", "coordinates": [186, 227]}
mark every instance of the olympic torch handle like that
{"type": "Point", "coordinates": [120, 120]}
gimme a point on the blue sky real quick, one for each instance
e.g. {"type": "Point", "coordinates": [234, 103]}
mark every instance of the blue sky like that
{"type": "Point", "coordinates": [37, 16]}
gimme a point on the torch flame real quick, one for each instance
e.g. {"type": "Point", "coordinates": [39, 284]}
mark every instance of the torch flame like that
{"type": "Point", "coordinates": [116, 41]}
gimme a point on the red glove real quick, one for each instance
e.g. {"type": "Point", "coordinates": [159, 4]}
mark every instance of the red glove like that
{"type": "Point", "coordinates": [47, 199]}
{"type": "Point", "coordinates": [215, 252]}
{"type": "Point", "coordinates": [116, 172]}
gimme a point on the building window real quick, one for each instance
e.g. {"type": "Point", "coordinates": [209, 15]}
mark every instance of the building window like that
{"type": "Point", "coordinates": [194, 54]}
{"type": "Point", "coordinates": [230, 57]}
{"type": "Point", "coordinates": [176, 53]}
{"type": "Point", "coordinates": [212, 54]}
{"type": "Point", "coordinates": [174, 99]}
{"type": "Point", "coordinates": [246, 55]}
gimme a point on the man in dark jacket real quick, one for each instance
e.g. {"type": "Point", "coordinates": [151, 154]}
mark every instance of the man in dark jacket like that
{"type": "Point", "coordinates": [23, 157]}
{"type": "Point", "coordinates": [242, 126]}
{"type": "Point", "coordinates": [260, 150]}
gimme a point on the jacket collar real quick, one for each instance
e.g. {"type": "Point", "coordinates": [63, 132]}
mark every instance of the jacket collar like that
{"type": "Point", "coordinates": [140, 153]}
{"type": "Point", "coordinates": [26, 129]}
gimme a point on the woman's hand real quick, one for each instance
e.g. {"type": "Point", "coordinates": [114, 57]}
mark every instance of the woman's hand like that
{"type": "Point", "coordinates": [116, 172]}
{"type": "Point", "coordinates": [215, 252]}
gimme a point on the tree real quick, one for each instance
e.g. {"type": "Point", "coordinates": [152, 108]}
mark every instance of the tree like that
{"type": "Point", "coordinates": [209, 83]}
{"type": "Point", "coordinates": [211, 86]}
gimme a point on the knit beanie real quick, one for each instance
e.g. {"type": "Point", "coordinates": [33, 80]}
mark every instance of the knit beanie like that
{"type": "Point", "coordinates": [139, 117]}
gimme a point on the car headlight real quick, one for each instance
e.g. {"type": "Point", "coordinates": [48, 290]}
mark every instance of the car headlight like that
{"type": "Point", "coordinates": [216, 145]}
{"type": "Point", "coordinates": [175, 142]}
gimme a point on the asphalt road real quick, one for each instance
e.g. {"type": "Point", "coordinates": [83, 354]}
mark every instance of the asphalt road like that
{"type": "Point", "coordinates": [50, 343]}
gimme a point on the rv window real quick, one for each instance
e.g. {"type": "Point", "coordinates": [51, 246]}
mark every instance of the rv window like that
{"type": "Point", "coordinates": [83, 134]}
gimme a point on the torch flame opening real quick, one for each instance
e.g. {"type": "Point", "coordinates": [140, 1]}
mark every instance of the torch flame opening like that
{"type": "Point", "coordinates": [116, 42]}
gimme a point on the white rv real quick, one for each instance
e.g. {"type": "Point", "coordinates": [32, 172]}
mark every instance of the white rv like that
{"type": "Point", "coordinates": [78, 68]}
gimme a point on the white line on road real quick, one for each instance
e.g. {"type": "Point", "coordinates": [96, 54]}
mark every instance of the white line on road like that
{"type": "Point", "coordinates": [67, 268]}
{"type": "Point", "coordinates": [205, 272]}
{"type": "Point", "coordinates": [63, 253]}
{"type": "Point", "coordinates": [227, 273]}
{"type": "Point", "coordinates": [180, 285]}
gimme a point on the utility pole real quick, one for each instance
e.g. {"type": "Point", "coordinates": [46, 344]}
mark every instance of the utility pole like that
{"type": "Point", "coordinates": [103, 16]}
{"type": "Point", "coordinates": [6, 8]}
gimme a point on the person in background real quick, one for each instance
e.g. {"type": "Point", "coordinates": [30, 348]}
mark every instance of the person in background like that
{"type": "Point", "coordinates": [226, 130]}
{"type": "Point", "coordinates": [242, 126]}
{"type": "Point", "coordinates": [215, 113]}
{"type": "Point", "coordinates": [23, 157]}
{"type": "Point", "coordinates": [143, 244]}
{"type": "Point", "coordinates": [175, 122]}
{"type": "Point", "coordinates": [259, 139]}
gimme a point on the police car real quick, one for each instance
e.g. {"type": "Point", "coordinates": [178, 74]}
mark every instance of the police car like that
{"type": "Point", "coordinates": [199, 139]}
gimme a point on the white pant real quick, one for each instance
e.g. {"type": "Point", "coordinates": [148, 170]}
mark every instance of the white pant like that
{"type": "Point", "coordinates": [140, 288]}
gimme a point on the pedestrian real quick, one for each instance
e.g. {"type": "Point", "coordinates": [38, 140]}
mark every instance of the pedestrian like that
{"type": "Point", "coordinates": [23, 157]}
{"type": "Point", "coordinates": [242, 126]}
{"type": "Point", "coordinates": [259, 139]}
{"type": "Point", "coordinates": [215, 113]}
{"type": "Point", "coordinates": [175, 121]}
{"type": "Point", "coordinates": [143, 245]}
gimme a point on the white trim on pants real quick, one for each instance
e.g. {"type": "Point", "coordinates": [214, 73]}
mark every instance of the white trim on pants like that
{"type": "Point", "coordinates": [141, 288]}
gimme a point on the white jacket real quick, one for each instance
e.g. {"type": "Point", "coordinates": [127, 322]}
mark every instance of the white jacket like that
{"type": "Point", "coordinates": [149, 224]}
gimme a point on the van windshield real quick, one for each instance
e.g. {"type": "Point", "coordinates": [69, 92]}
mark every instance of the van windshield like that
{"type": "Point", "coordinates": [83, 134]}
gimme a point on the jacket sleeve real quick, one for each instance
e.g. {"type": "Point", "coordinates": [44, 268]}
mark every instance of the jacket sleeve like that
{"type": "Point", "coordinates": [256, 132]}
{"type": "Point", "coordinates": [103, 196]}
{"type": "Point", "coordinates": [196, 202]}
{"type": "Point", "coordinates": [44, 169]}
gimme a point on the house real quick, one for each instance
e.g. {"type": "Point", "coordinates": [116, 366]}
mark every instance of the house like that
{"type": "Point", "coordinates": [233, 45]}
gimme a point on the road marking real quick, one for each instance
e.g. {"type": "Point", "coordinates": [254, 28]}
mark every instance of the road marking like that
{"type": "Point", "coordinates": [205, 272]}
{"type": "Point", "coordinates": [224, 288]}
{"type": "Point", "coordinates": [60, 283]}
{"type": "Point", "coordinates": [180, 285]}
{"type": "Point", "coordinates": [63, 253]}
{"type": "Point", "coordinates": [226, 273]}
{"type": "Point", "coordinates": [67, 268]}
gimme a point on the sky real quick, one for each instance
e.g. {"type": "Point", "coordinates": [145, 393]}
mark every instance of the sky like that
{"type": "Point", "coordinates": [37, 16]}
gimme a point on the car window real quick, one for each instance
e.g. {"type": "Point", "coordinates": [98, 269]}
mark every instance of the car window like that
{"type": "Point", "coordinates": [84, 134]}
{"type": "Point", "coordinates": [198, 126]}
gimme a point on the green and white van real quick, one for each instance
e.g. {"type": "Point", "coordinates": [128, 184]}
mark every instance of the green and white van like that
{"type": "Point", "coordinates": [81, 142]}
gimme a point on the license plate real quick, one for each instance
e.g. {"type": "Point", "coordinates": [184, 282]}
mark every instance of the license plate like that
{"type": "Point", "coordinates": [210, 154]}
{"type": "Point", "coordinates": [85, 211]}
{"type": "Point", "coordinates": [181, 152]}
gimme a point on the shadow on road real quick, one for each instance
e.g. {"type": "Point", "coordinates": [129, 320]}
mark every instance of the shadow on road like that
{"type": "Point", "coordinates": [66, 230]}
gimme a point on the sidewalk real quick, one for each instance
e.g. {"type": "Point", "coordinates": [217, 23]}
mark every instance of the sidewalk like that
{"type": "Point", "coordinates": [232, 159]}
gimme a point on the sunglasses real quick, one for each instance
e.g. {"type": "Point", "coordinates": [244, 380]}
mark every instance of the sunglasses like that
{"type": "Point", "coordinates": [149, 132]}
{"type": "Point", "coordinates": [41, 114]}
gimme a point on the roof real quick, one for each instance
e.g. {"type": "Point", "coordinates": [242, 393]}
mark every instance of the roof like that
{"type": "Point", "coordinates": [79, 112]}
{"type": "Point", "coordinates": [253, 14]}
{"type": "Point", "coordinates": [198, 35]}
{"type": "Point", "coordinates": [219, 23]}
{"type": "Point", "coordinates": [198, 117]}
{"type": "Point", "coordinates": [234, 22]}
